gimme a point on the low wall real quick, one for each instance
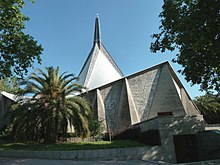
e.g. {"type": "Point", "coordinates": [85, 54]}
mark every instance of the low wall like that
{"type": "Point", "coordinates": [133, 153]}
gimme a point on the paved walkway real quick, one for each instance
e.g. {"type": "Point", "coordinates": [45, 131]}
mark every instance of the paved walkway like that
{"type": "Point", "coordinates": [23, 161]}
{"type": "Point", "coordinates": [17, 161]}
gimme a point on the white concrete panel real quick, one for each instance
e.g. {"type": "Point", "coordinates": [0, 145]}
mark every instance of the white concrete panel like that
{"type": "Point", "coordinates": [83, 74]}
{"type": "Point", "coordinates": [132, 108]}
{"type": "Point", "coordinates": [188, 104]}
{"type": "Point", "coordinates": [103, 72]}
{"type": "Point", "coordinates": [166, 98]}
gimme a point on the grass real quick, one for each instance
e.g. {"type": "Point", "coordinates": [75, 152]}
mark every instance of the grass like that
{"type": "Point", "coordinates": [68, 146]}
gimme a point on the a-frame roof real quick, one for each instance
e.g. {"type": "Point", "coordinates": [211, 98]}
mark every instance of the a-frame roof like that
{"type": "Point", "coordinates": [99, 67]}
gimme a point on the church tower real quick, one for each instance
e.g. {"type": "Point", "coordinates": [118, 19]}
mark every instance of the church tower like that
{"type": "Point", "coordinates": [99, 68]}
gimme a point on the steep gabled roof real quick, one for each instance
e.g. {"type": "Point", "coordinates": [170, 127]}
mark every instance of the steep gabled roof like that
{"type": "Point", "coordinates": [99, 67]}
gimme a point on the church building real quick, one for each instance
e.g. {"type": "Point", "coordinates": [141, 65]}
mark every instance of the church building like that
{"type": "Point", "coordinates": [121, 101]}
{"type": "Point", "coordinates": [151, 105]}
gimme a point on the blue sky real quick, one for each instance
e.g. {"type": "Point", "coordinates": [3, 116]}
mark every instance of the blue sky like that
{"type": "Point", "coordinates": [66, 29]}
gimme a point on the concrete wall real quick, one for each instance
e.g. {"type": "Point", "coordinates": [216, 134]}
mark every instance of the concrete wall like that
{"type": "Point", "coordinates": [166, 98]}
{"type": "Point", "coordinates": [133, 153]}
{"type": "Point", "coordinates": [140, 97]}
{"type": "Point", "coordinates": [169, 126]}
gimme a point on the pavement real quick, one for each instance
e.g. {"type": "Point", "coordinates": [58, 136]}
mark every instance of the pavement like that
{"type": "Point", "coordinates": [23, 161]}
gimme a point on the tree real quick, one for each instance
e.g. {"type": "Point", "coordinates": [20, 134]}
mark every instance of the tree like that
{"type": "Point", "coordinates": [10, 85]}
{"type": "Point", "coordinates": [52, 107]}
{"type": "Point", "coordinates": [193, 28]}
{"type": "Point", "coordinates": [209, 106]}
{"type": "Point", "coordinates": [17, 49]}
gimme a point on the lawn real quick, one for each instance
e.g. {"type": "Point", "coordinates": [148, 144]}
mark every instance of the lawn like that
{"type": "Point", "coordinates": [68, 146]}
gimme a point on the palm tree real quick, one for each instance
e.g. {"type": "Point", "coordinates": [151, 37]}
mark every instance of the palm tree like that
{"type": "Point", "coordinates": [209, 106]}
{"type": "Point", "coordinates": [54, 105]}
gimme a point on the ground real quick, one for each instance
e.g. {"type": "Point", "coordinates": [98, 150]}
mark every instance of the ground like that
{"type": "Point", "coordinates": [18, 161]}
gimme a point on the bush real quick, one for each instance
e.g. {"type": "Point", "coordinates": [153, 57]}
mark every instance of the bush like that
{"type": "Point", "coordinates": [150, 137]}
{"type": "Point", "coordinates": [96, 129]}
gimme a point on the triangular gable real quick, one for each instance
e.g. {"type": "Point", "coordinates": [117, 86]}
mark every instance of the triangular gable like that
{"type": "Point", "coordinates": [171, 96]}
{"type": "Point", "coordinates": [166, 99]}
{"type": "Point", "coordinates": [189, 106]}
{"type": "Point", "coordinates": [99, 68]}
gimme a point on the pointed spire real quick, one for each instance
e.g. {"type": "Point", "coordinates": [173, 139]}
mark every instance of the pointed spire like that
{"type": "Point", "coordinates": [97, 34]}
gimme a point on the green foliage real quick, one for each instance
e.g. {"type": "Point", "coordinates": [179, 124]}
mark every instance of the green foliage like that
{"type": "Point", "coordinates": [10, 85]}
{"type": "Point", "coordinates": [69, 146]}
{"type": "Point", "coordinates": [17, 49]}
{"type": "Point", "coordinates": [4, 120]}
{"type": "Point", "coordinates": [51, 109]}
{"type": "Point", "coordinates": [5, 133]}
{"type": "Point", "coordinates": [149, 137]}
{"type": "Point", "coordinates": [193, 28]}
{"type": "Point", "coordinates": [209, 106]}
{"type": "Point", "coordinates": [96, 128]}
